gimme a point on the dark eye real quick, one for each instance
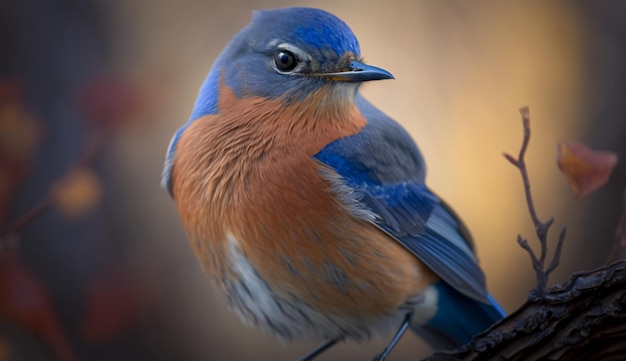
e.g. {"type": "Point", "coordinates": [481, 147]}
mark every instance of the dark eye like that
{"type": "Point", "coordinates": [285, 61]}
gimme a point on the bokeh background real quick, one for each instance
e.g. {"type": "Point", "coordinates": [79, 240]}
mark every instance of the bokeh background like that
{"type": "Point", "coordinates": [106, 274]}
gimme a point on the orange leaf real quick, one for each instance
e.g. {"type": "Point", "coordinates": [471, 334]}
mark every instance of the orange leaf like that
{"type": "Point", "coordinates": [19, 131]}
{"type": "Point", "coordinates": [77, 193]}
{"type": "Point", "coordinates": [586, 169]}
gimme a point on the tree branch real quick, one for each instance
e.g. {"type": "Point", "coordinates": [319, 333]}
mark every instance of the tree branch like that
{"type": "Point", "coordinates": [582, 319]}
{"type": "Point", "coordinates": [92, 149]}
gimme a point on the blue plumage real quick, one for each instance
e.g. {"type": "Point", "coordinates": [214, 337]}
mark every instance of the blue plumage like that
{"type": "Point", "coordinates": [459, 318]}
{"type": "Point", "coordinates": [245, 67]}
{"type": "Point", "coordinates": [385, 167]}
{"type": "Point", "coordinates": [313, 28]}
{"type": "Point", "coordinates": [359, 158]}
{"type": "Point", "coordinates": [303, 68]}
{"type": "Point", "coordinates": [385, 170]}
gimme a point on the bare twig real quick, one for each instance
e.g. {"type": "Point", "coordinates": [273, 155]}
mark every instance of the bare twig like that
{"type": "Point", "coordinates": [541, 228]}
{"type": "Point", "coordinates": [92, 149]}
{"type": "Point", "coordinates": [34, 213]}
{"type": "Point", "coordinates": [557, 252]}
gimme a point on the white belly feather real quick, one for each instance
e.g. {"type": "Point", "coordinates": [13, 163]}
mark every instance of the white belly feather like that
{"type": "Point", "coordinates": [288, 317]}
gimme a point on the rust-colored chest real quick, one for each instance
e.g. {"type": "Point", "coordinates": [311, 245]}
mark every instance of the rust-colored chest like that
{"type": "Point", "coordinates": [245, 182]}
{"type": "Point", "coordinates": [249, 169]}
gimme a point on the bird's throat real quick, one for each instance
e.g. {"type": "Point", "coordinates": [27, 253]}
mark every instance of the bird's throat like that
{"type": "Point", "coordinates": [220, 151]}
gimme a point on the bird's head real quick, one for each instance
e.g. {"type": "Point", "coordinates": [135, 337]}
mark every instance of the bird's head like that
{"type": "Point", "coordinates": [289, 53]}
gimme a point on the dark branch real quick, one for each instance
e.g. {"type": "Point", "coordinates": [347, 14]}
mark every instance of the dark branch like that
{"type": "Point", "coordinates": [582, 319]}
{"type": "Point", "coordinates": [557, 252]}
{"type": "Point", "coordinates": [34, 213]}
{"type": "Point", "coordinates": [92, 149]}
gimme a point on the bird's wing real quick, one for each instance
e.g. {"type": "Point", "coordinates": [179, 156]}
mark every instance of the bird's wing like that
{"type": "Point", "coordinates": [381, 171]}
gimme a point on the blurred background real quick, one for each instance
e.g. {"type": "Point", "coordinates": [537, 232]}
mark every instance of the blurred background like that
{"type": "Point", "coordinates": [91, 92]}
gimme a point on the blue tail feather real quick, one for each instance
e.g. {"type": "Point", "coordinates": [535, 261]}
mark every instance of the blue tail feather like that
{"type": "Point", "coordinates": [458, 318]}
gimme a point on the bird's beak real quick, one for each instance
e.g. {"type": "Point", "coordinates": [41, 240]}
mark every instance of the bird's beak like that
{"type": "Point", "coordinates": [358, 72]}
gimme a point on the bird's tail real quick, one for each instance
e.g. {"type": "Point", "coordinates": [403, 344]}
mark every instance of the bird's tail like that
{"type": "Point", "coordinates": [458, 319]}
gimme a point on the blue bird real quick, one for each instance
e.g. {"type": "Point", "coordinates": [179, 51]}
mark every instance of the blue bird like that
{"type": "Point", "coordinates": [307, 206]}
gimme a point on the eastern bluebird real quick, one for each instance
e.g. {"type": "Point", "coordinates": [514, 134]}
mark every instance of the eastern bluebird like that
{"type": "Point", "coordinates": [306, 205]}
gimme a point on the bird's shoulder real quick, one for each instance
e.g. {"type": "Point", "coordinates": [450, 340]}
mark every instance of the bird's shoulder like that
{"type": "Point", "coordinates": [382, 152]}
{"type": "Point", "coordinates": [378, 174]}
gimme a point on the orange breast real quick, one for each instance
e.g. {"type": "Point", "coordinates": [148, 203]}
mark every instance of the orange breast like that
{"type": "Point", "coordinates": [248, 173]}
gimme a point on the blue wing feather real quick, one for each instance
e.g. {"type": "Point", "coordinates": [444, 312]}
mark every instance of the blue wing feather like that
{"type": "Point", "coordinates": [385, 171]}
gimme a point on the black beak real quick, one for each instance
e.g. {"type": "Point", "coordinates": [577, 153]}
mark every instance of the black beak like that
{"type": "Point", "coordinates": [358, 72]}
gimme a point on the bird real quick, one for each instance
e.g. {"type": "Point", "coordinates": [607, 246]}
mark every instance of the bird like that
{"type": "Point", "coordinates": [307, 206]}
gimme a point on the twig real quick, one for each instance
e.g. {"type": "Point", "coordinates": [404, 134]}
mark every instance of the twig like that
{"type": "Point", "coordinates": [541, 228]}
{"type": "Point", "coordinates": [34, 213]}
{"type": "Point", "coordinates": [92, 149]}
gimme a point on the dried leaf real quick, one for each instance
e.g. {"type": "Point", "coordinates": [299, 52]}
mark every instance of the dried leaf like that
{"type": "Point", "coordinates": [5, 350]}
{"type": "Point", "coordinates": [586, 169]}
{"type": "Point", "coordinates": [115, 301]}
{"type": "Point", "coordinates": [6, 191]}
{"type": "Point", "coordinates": [20, 132]}
{"type": "Point", "coordinates": [25, 301]}
{"type": "Point", "coordinates": [11, 89]}
{"type": "Point", "coordinates": [77, 193]}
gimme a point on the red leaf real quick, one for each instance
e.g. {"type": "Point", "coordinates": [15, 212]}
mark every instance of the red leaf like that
{"type": "Point", "coordinates": [115, 302]}
{"type": "Point", "coordinates": [111, 102]}
{"type": "Point", "coordinates": [586, 169]}
{"type": "Point", "coordinates": [25, 302]}
{"type": "Point", "coordinates": [5, 350]}
{"type": "Point", "coordinates": [20, 132]}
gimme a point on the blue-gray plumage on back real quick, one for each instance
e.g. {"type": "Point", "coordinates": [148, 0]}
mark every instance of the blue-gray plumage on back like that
{"type": "Point", "coordinates": [387, 171]}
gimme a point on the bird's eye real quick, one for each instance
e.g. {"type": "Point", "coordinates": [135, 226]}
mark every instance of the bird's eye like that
{"type": "Point", "coordinates": [285, 60]}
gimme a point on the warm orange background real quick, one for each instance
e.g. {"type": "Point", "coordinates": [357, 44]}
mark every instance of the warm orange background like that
{"type": "Point", "coordinates": [462, 71]}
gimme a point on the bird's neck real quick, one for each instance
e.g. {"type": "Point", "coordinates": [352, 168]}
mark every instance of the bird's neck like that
{"type": "Point", "coordinates": [250, 137]}
{"type": "Point", "coordinates": [326, 114]}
